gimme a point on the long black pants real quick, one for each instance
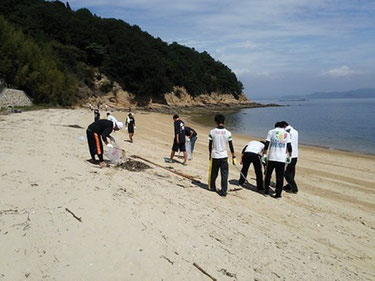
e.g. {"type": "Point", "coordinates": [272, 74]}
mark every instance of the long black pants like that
{"type": "Point", "coordinates": [290, 173]}
{"type": "Point", "coordinates": [95, 144]}
{"type": "Point", "coordinates": [279, 166]}
{"type": "Point", "coordinates": [221, 164]}
{"type": "Point", "coordinates": [248, 158]}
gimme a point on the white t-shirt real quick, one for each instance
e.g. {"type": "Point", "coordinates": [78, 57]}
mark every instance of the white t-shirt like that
{"type": "Point", "coordinates": [254, 147]}
{"type": "Point", "coordinates": [219, 138]}
{"type": "Point", "coordinates": [294, 138]}
{"type": "Point", "coordinates": [278, 139]}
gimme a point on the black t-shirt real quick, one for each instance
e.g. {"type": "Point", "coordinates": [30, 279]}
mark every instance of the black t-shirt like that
{"type": "Point", "coordinates": [131, 122]}
{"type": "Point", "coordinates": [102, 127]}
{"type": "Point", "coordinates": [188, 131]}
{"type": "Point", "coordinates": [179, 129]}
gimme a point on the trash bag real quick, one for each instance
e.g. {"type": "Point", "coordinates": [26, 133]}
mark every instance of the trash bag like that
{"type": "Point", "coordinates": [115, 154]}
{"type": "Point", "coordinates": [188, 148]}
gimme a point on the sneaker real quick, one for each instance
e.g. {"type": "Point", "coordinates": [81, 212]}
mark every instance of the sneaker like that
{"type": "Point", "coordinates": [222, 194]}
{"type": "Point", "coordinates": [277, 196]}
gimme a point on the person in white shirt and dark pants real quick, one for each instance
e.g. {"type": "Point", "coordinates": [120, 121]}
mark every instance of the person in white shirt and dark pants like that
{"type": "Point", "coordinates": [218, 138]}
{"type": "Point", "coordinates": [279, 144]}
{"type": "Point", "coordinates": [290, 170]}
{"type": "Point", "coordinates": [251, 154]}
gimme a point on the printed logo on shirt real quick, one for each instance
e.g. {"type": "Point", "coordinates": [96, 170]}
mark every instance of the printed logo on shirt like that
{"type": "Point", "coordinates": [279, 140]}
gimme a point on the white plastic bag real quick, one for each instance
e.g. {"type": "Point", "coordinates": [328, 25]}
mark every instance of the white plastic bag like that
{"type": "Point", "coordinates": [188, 148]}
{"type": "Point", "coordinates": [114, 154]}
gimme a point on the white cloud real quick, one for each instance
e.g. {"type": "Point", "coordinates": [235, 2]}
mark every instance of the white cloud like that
{"type": "Point", "coordinates": [260, 38]}
{"type": "Point", "coordinates": [341, 71]}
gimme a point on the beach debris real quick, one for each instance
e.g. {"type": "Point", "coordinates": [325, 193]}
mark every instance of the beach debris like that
{"type": "Point", "coordinates": [9, 212]}
{"type": "Point", "coordinates": [204, 272]}
{"type": "Point", "coordinates": [166, 168]}
{"type": "Point", "coordinates": [166, 258]}
{"type": "Point", "coordinates": [227, 273]}
{"type": "Point", "coordinates": [77, 218]}
{"type": "Point", "coordinates": [134, 166]}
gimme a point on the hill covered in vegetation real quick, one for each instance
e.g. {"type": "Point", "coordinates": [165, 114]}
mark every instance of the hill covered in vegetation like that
{"type": "Point", "coordinates": [52, 52]}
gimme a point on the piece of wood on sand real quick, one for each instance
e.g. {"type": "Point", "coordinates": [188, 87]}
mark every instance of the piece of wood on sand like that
{"type": "Point", "coordinates": [204, 272]}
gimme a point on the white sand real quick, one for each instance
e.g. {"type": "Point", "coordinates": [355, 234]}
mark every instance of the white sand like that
{"type": "Point", "coordinates": [153, 225]}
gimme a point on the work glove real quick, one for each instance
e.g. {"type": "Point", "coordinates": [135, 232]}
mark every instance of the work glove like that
{"type": "Point", "coordinates": [109, 145]}
{"type": "Point", "coordinates": [264, 159]}
{"type": "Point", "coordinates": [234, 160]}
{"type": "Point", "coordinates": [288, 160]}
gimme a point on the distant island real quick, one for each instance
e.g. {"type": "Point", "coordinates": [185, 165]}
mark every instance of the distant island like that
{"type": "Point", "coordinates": [359, 93]}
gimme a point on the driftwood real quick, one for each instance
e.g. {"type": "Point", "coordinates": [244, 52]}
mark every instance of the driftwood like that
{"type": "Point", "coordinates": [165, 168]}
{"type": "Point", "coordinates": [204, 272]}
{"type": "Point", "coordinates": [77, 218]}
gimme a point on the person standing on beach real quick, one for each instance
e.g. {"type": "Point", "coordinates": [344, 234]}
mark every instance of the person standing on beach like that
{"type": "Point", "coordinates": [101, 128]}
{"type": "Point", "coordinates": [130, 123]}
{"type": "Point", "coordinates": [179, 138]}
{"type": "Point", "coordinates": [96, 114]}
{"type": "Point", "coordinates": [218, 155]}
{"type": "Point", "coordinates": [192, 134]}
{"type": "Point", "coordinates": [251, 154]}
{"type": "Point", "coordinates": [290, 170]}
{"type": "Point", "coordinates": [279, 144]}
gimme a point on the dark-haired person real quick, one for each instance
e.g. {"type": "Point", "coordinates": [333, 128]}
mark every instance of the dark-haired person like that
{"type": "Point", "coordinates": [251, 154]}
{"type": "Point", "coordinates": [279, 144]}
{"type": "Point", "coordinates": [96, 114]}
{"type": "Point", "coordinates": [192, 134]}
{"type": "Point", "coordinates": [97, 130]}
{"type": "Point", "coordinates": [179, 138]}
{"type": "Point", "coordinates": [130, 123]}
{"type": "Point", "coordinates": [290, 170]}
{"type": "Point", "coordinates": [218, 139]}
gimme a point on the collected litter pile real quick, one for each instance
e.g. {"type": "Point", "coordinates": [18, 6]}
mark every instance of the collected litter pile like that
{"type": "Point", "coordinates": [134, 165]}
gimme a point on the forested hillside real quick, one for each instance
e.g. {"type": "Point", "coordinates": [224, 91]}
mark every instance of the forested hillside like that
{"type": "Point", "coordinates": [49, 50]}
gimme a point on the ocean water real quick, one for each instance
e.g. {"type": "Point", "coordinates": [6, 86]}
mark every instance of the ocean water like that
{"type": "Point", "coordinates": [347, 124]}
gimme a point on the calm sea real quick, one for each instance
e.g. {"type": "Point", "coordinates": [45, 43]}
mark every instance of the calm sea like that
{"type": "Point", "coordinates": [347, 124]}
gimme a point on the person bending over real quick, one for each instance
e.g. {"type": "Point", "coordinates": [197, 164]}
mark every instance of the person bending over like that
{"type": "Point", "coordinates": [251, 154]}
{"type": "Point", "coordinates": [98, 130]}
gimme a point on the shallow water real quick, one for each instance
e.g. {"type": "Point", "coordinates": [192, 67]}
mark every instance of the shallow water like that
{"type": "Point", "coordinates": [346, 124]}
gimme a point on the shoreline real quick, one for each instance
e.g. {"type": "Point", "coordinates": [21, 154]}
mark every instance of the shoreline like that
{"type": "Point", "coordinates": [154, 224]}
{"type": "Point", "coordinates": [327, 148]}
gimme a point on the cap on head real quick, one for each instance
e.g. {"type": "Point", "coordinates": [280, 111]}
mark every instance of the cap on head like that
{"type": "Point", "coordinates": [176, 116]}
{"type": "Point", "coordinates": [219, 118]}
{"type": "Point", "coordinates": [119, 125]}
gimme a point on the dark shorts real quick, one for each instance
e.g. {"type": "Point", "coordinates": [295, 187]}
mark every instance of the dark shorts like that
{"type": "Point", "coordinates": [130, 129]}
{"type": "Point", "coordinates": [178, 146]}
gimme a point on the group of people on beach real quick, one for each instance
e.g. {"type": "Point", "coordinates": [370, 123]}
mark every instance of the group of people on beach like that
{"type": "Point", "coordinates": [278, 152]}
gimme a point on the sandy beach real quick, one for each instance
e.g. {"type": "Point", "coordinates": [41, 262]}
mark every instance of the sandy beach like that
{"type": "Point", "coordinates": [155, 225]}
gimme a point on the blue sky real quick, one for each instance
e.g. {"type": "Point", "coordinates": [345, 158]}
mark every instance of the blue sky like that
{"type": "Point", "coordinates": [275, 47]}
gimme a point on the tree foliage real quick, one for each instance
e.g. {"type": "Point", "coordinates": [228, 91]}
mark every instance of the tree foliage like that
{"type": "Point", "coordinates": [32, 67]}
{"type": "Point", "coordinates": [142, 64]}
